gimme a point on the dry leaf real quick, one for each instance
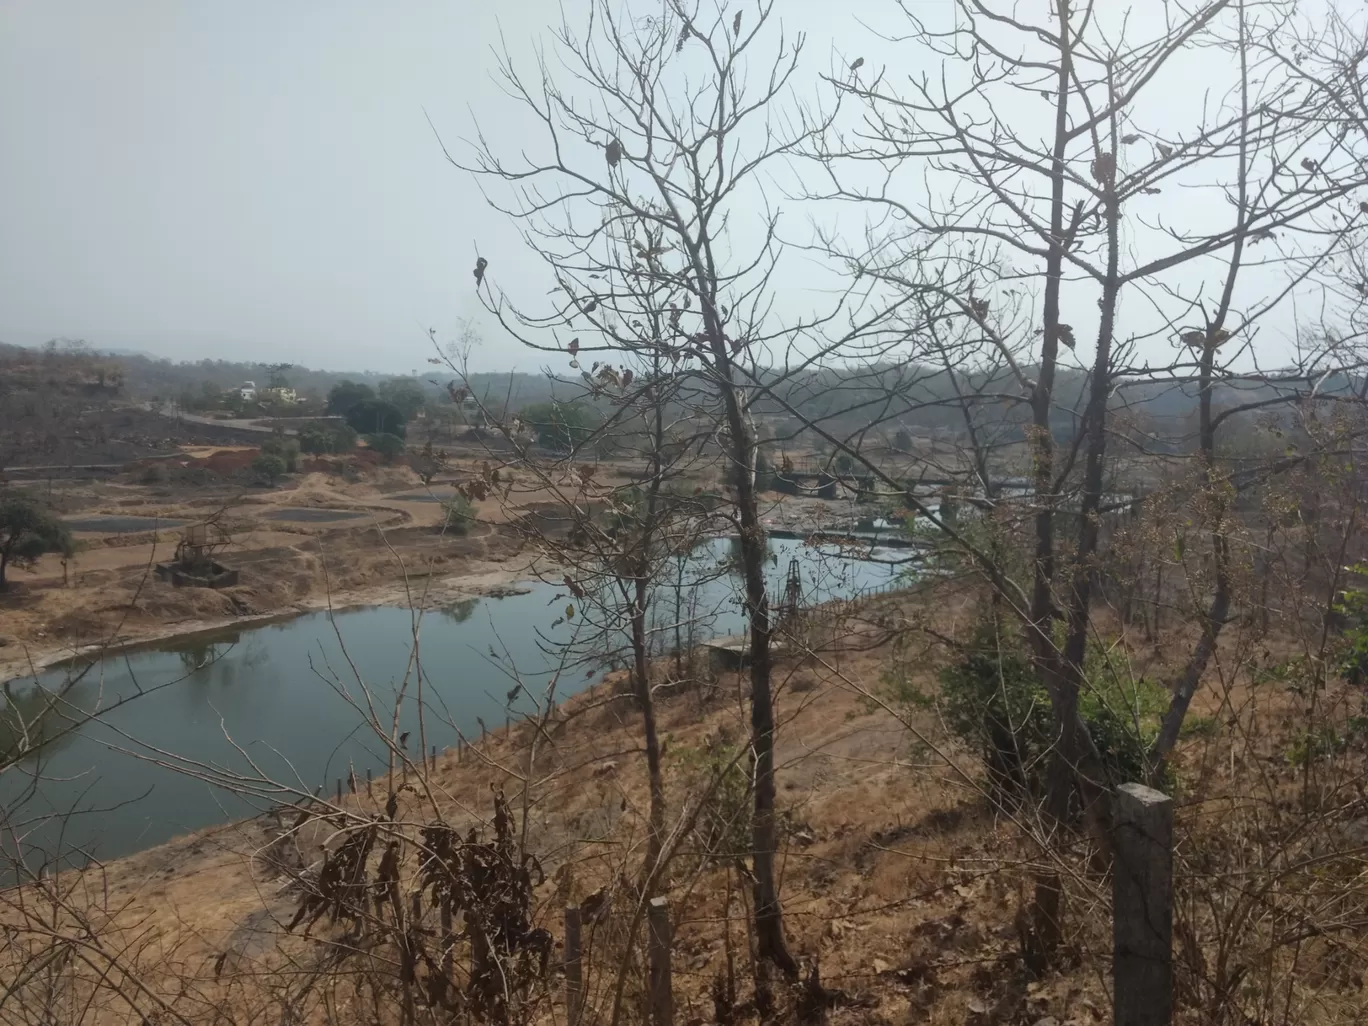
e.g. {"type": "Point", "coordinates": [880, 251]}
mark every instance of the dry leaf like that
{"type": "Point", "coordinates": [1132, 138]}
{"type": "Point", "coordinates": [1104, 168]}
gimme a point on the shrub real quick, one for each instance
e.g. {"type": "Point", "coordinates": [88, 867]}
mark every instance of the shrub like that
{"type": "Point", "coordinates": [319, 439]}
{"type": "Point", "coordinates": [722, 830]}
{"type": "Point", "coordinates": [268, 468]}
{"type": "Point", "coordinates": [561, 427]}
{"type": "Point", "coordinates": [457, 515]}
{"type": "Point", "coordinates": [386, 445]}
{"type": "Point", "coordinates": [991, 699]}
{"type": "Point", "coordinates": [27, 530]}
{"type": "Point", "coordinates": [284, 449]}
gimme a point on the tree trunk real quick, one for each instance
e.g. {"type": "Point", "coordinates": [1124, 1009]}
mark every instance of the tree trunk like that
{"type": "Point", "coordinates": [641, 677]}
{"type": "Point", "coordinates": [1044, 920]}
{"type": "Point", "coordinates": [769, 922]}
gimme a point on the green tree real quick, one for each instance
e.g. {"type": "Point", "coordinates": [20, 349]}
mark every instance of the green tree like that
{"type": "Point", "coordinates": [268, 468]}
{"type": "Point", "coordinates": [346, 394]}
{"type": "Point", "coordinates": [404, 394]}
{"type": "Point", "coordinates": [457, 515]}
{"type": "Point", "coordinates": [27, 530]}
{"type": "Point", "coordinates": [376, 417]}
{"type": "Point", "coordinates": [561, 427]}
{"type": "Point", "coordinates": [387, 445]}
{"type": "Point", "coordinates": [317, 438]}
{"type": "Point", "coordinates": [285, 448]}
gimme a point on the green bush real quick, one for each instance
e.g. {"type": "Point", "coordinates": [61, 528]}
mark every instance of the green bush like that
{"type": "Point", "coordinates": [992, 700]}
{"type": "Point", "coordinates": [457, 515]}
{"type": "Point", "coordinates": [722, 830]}
{"type": "Point", "coordinates": [27, 531]}
{"type": "Point", "coordinates": [319, 439]}
{"type": "Point", "coordinates": [387, 445]}
{"type": "Point", "coordinates": [561, 427]}
{"type": "Point", "coordinates": [285, 449]}
{"type": "Point", "coordinates": [268, 468]}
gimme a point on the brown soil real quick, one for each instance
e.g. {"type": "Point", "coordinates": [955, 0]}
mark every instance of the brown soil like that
{"type": "Point", "coordinates": [881, 866]}
{"type": "Point", "coordinates": [108, 594]}
{"type": "Point", "coordinates": [900, 880]}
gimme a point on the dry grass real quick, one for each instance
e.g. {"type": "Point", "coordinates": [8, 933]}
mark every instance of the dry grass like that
{"type": "Point", "coordinates": [900, 879]}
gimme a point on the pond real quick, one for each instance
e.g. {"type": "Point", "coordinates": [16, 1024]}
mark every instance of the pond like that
{"type": "Point", "coordinates": [314, 515]}
{"type": "Point", "coordinates": [290, 696]}
{"type": "Point", "coordinates": [109, 524]}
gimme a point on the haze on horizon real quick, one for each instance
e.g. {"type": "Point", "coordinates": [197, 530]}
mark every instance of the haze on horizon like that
{"type": "Point", "coordinates": [251, 181]}
{"type": "Point", "coordinates": [259, 181]}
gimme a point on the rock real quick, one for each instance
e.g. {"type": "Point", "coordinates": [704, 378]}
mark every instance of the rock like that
{"type": "Point", "coordinates": [880, 966]}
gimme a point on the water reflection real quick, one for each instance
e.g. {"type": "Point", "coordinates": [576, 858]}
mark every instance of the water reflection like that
{"type": "Point", "coordinates": [293, 697]}
{"type": "Point", "coordinates": [461, 610]}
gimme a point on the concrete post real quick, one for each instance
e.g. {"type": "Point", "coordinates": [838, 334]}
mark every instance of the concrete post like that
{"type": "Point", "coordinates": [1142, 908]}
{"type": "Point", "coordinates": [658, 951]}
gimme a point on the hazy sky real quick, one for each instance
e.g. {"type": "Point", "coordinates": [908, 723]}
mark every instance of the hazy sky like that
{"type": "Point", "coordinates": [250, 180]}
{"type": "Point", "coordinates": [257, 180]}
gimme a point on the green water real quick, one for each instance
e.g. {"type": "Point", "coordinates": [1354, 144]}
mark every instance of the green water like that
{"type": "Point", "coordinates": [288, 702]}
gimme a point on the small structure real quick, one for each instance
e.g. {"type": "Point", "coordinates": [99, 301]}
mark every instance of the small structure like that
{"type": "Point", "coordinates": [734, 653]}
{"type": "Point", "coordinates": [195, 565]}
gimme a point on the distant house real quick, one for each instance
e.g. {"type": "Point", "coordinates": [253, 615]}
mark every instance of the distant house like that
{"type": "Point", "coordinates": [248, 391]}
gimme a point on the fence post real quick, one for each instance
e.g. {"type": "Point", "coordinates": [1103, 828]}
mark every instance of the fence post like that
{"type": "Point", "coordinates": [434, 758]}
{"type": "Point", "coordinates": [339, 790]}
{"type": "Point", "coordinates": [661, 995]}
{"type": "Point", "coordinates": [574, 984]}
{"type": "Point", "coordinates": [1142, 908]}
{"type": "Point", "coordinates": [369, 793]}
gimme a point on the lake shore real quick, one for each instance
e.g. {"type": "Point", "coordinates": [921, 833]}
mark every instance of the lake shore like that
{"type": "Point", "coordinates": [24, 660]}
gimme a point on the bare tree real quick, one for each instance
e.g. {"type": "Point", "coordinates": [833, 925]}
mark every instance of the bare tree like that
{"type": "Point", "coordinates": [667, 125]}
{"type": "Point", "coordinates": [1043, 180]}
